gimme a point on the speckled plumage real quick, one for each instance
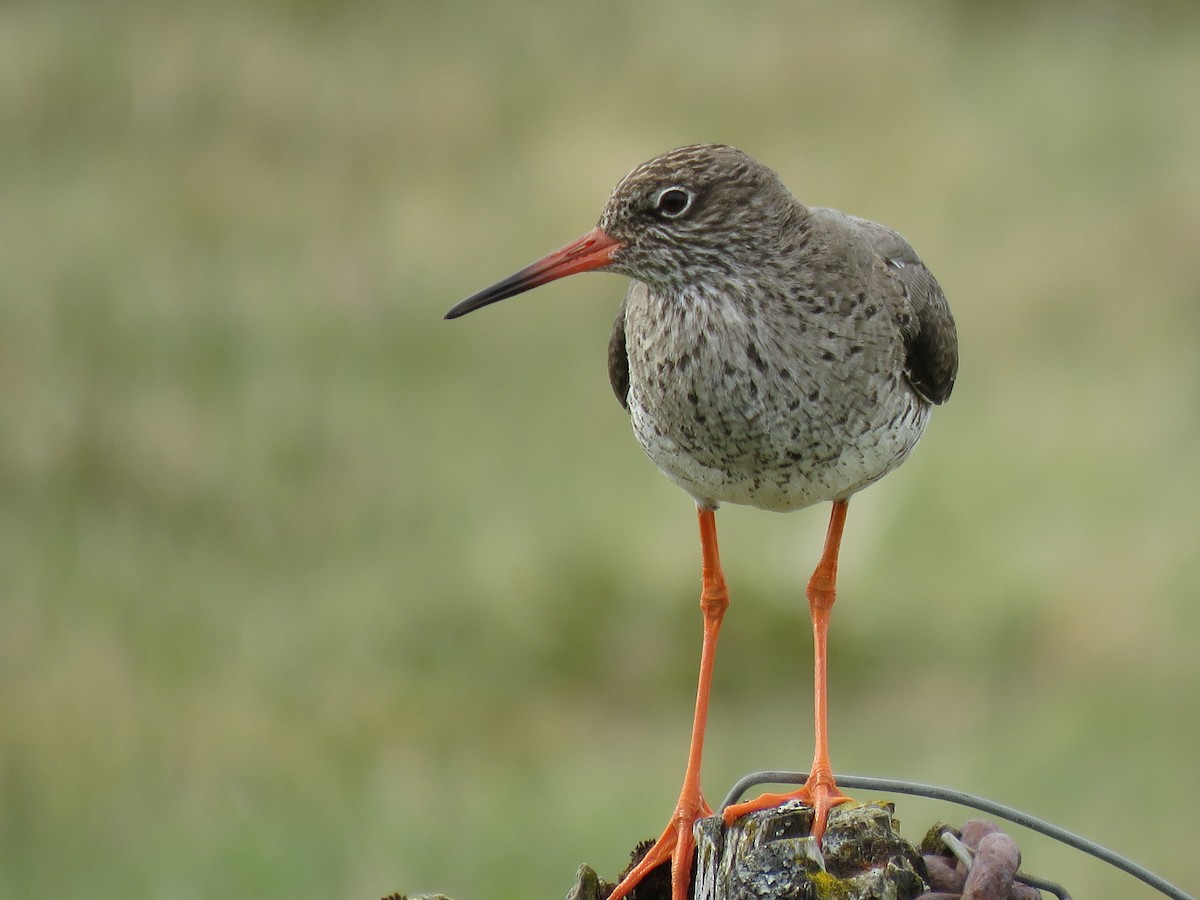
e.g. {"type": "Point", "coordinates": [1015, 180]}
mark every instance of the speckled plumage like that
{"type": "Point", "coordinates": [768, 353]}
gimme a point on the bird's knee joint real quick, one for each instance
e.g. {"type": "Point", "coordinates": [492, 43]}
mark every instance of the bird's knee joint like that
{"type": "Point", "coordinates": [821, 593]}
{"type": "Point", "coordinates": [714, 600]}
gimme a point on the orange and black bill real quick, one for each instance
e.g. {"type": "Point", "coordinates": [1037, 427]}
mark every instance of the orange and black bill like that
{"type": "Point", "coordinates": [592, 251]}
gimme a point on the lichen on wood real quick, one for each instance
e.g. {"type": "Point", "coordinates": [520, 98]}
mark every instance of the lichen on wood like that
{"type": "Point", "coordinates": [770, 854]}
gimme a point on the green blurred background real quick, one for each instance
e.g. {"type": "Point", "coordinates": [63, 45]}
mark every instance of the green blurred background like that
{"type": "Point", "coordinates": [308, 593]}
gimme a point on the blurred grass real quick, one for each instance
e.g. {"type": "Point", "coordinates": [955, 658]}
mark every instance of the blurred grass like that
{"type": "Point", "coordinates": [306, 593]}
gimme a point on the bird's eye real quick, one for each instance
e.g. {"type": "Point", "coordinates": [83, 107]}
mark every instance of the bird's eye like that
{"type": "Point", "coordinates": [673, 202]}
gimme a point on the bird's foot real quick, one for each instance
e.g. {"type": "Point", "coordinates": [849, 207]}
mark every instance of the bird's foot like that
{"type": "Point", "coordinates": [677, 843]}
{"type": "Point", "coordinates": [821, 793]}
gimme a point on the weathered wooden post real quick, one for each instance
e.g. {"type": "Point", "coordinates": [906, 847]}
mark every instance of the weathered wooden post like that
{"type": "Point", "coordinates": [769, 854]}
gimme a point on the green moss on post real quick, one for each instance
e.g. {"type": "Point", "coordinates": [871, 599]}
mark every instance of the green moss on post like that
{"type": "Point", "coordinates": [770, 854]}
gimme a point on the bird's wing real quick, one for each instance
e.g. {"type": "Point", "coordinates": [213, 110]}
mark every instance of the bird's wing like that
{"type": "Point", "coordinates": [930, 338]}
{"type": "Point", "coordinates": [618, 357]}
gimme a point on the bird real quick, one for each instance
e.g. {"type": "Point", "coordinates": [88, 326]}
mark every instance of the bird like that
{"type": "Point", "coordinates": [768, 354]}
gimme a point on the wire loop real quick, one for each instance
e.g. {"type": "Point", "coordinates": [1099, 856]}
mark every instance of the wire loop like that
{"type": "Point", "coordinates": [991, 807]}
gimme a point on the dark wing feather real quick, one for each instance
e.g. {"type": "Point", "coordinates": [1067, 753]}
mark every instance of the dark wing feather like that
{"type": "Point", "coordinates": [930, 337]}
{"type": "Point", "coordinates": [618, 360]}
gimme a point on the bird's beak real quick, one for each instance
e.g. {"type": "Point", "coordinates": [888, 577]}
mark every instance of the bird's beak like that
{"type": "Point", "coordinates": [592, 251]}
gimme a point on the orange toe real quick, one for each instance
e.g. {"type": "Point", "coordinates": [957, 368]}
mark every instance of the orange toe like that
{"type": "Point", "coordinates": [677, 844]}
{"type": "Point", "coordinates": [821, 796]}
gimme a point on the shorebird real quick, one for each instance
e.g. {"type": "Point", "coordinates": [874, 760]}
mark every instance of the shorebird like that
{"type": "Point", "coordinates": [770, 354]}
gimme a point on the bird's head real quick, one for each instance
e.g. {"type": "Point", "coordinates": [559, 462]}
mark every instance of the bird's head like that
{"type": "Point", "coordinates": [697, 214]}
{"type": "Point", "coordinates": [702, 213]}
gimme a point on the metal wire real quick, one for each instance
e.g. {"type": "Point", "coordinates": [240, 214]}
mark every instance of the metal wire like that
{"type": "Point", "coordinates": [866, 782]}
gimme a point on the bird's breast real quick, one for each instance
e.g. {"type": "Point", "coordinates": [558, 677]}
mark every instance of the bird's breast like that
{"type": "Point", "coordinates": [738, 403]}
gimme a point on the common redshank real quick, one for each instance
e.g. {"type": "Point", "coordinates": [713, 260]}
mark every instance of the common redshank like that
{"type": "Point", "coordinates": [770, 354]}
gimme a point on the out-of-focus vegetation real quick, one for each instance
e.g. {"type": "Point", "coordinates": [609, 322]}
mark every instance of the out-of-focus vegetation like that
{"type": "Point", "coordinates": [307, 593]}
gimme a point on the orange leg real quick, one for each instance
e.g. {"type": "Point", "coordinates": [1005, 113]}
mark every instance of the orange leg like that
{"type": "Point", "coordinates": [678, 842]}
{"type": "Point", "coordinates": [820, 792]}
